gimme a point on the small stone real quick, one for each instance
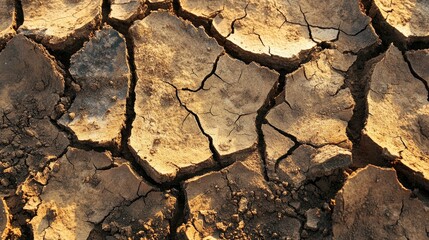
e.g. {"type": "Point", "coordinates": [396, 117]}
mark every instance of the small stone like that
{"type": "Point", "coordinates": [221, 226]}
{"type": "Point", "coordinates": [105, 227]}
{"type": "Point", "coordinates": [235, 217]}
{"type": "Point", "coordinates": [313, 218]}
{"type": "Point", "coordinates": [304, 234]}
{"type": "Point", "coordinates": [72, 115]}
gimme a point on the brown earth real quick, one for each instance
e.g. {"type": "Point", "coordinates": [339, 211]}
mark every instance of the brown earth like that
{"type": "Point", "coordinates": [179, 119]}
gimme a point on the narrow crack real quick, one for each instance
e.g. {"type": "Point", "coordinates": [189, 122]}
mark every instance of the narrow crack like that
{"type": "Point", "coordinates": [389, 34]}
{"type": "Point", "coordinates": [211, 73]}
{"type": "Point", "coordinates": [215, 153]}
{"type": "Point", "coordinates": [291, 150]}
{"type": "Point", "coordinates": [415, 74]}
{"type": "Point", "coordinates": [105, 10]}
{"type": "Point", "coordinates": [181, 213]}
{"type": "Point", "coordinates": [237, 19]}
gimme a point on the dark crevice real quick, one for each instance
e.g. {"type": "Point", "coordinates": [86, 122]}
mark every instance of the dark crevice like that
{"type": "Point", "coordinates": [212, 72]}
{"type": "Point", "coordinates": [19, 14]}
{"type": "Point", "coordinates": [180, 216]}
{"type": "Point", "coordinates": [270, 102]}
{"type": "Point", "coordinates": [131, 99]}
{"type": "Point", "coordinates": [123, 26]}
{"type": "Point", "coordinates": [291, 150]}
{"type": "Point", "coordinates": [105, 11]}
{"type": "Point", "coordinates": [216, 155]}
{"type": "Point", "coordinates": [167, 5]}
{"type": "Point", "coordinates": [389, 34]}
{"type": "Point", "coordinates": [357, 79]}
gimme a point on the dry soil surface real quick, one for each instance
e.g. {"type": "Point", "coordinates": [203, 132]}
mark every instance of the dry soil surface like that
{"type": "Point", "coordinates": [192, 119]}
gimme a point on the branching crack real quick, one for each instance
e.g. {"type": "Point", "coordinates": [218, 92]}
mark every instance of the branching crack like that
{"type": "Point", "coordinates": [212, 72]}
{"type": "Point", "coordinates": [215, 153]}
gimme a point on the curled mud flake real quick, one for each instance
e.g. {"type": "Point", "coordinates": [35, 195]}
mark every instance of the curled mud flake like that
{"type": "Point", "coordinates": [410, 17]}
{"type": "Point", "coordinates": [97, 114]}
{"type": "Point", "coordinates": [126, 11]}
{"type": "Point", "coordinates": [396, 94]}
{"type": "Point", "coordinates": [373, 203]}
{"type": "Point", "coordinates": [60, 24]}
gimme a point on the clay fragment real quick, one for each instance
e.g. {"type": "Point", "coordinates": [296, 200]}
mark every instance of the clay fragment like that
{"type": "Point", "coordinates": [165, 137]}
{"type": "Point", "coordinates": [279, 32]}
{"type": "Point", "coordinates": [126, 11]}
{"type": "Point", "coordinates": [277, 145]}
{"type": "Point", "coordinates": [28, 138]}
{"type": "Point", "coordinates": [228, 103]}
{"type": "Point", "coordinates": [309, 163]}
{"type": "Point", "coordinates": [317, 108]}
{"type": "Point", "coordinates": [101, 70]}
{"type": "Point", "coordinates": [373, 204]}
{"type": "Point", "coordinates": [4, 219]}
{"type": "Point", "coordinates": [417, 60]}
{"type": "Point", "coordinates": [147, 217]}
{"type": "Point", "coordinates": [409, 17]}
{"type": "Point", "coordinates": [70, 202]}
{"type": "Point", "coordinates": [395, 94]}
{"type": "Point", "coordinates": [60, 24]}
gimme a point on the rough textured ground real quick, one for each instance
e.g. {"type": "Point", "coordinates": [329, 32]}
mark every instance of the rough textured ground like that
{"type": "Point", "coordinates": [180, 119]}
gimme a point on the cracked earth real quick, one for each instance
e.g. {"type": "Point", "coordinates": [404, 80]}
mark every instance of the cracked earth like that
{"type": "Point", "coordinates": [192, 119]}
